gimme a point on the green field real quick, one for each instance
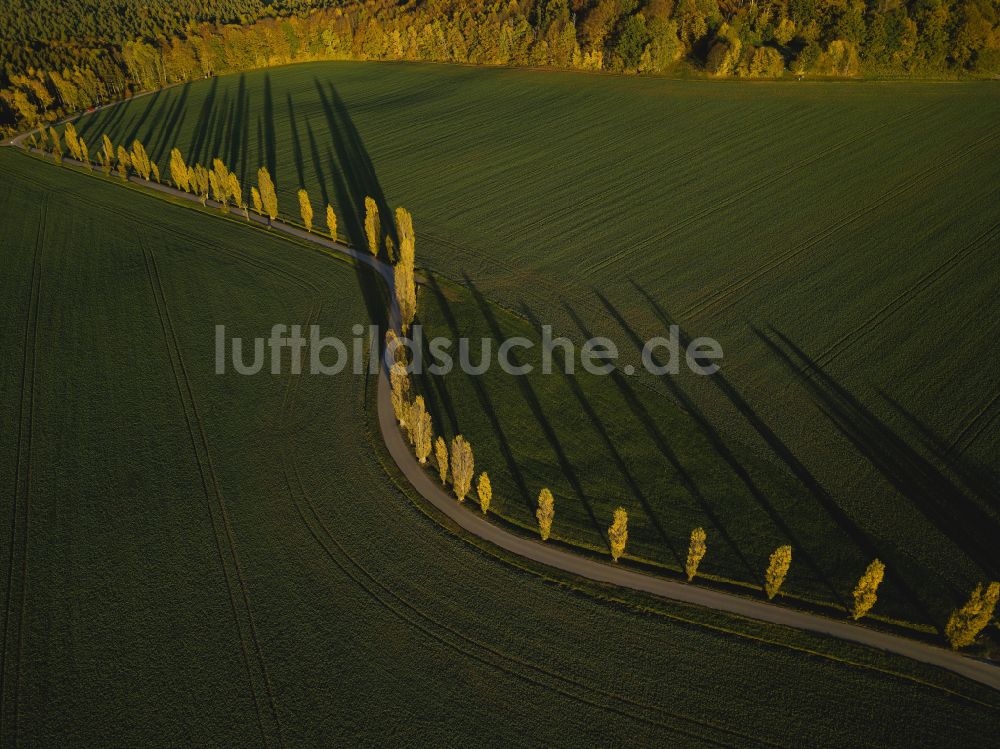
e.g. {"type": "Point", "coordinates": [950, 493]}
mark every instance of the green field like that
{"type": "Point", "coordinates": [228, 561]}
{"type": "Point", "coordinates": [838, 240]}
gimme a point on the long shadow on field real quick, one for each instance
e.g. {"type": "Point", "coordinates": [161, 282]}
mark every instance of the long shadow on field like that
{"type": "Point", "coordinates": [928, 489]}
{"type": "Point", "coordinates": [134, 132]}
{"type": "Point", "coordinates": [729, 457]}
{"type": "Point", "coordinates": [201, 129]}
{"type": "Point", "coordinates": [355, 163]}
{"type": "Point", "coordinates": [236, 128]}
{"type": "Point", "coordinates": [317, 165]}
{"type": "Point", "coordinates": [161, 115]}
{"type": "Point", "coordinates": [609, 443]}
{"type": "Point", "coordinates": [165, 135]}
{"type": "Point", "coordinates": [296, 143]}
{"type": "Point", "coordinates": [270, 140]}
{"type": "Point", "coordinates": [979, 479]}
{"type": "Point", "coordinates": [531, 398]}
{"type": "Point", "coordinates": [488, 408]}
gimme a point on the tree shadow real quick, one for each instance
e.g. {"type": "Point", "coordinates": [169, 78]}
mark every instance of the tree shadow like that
{"type": "Point", "coordinates": [486, 404]}
{"type": "Point", "coordinates": [203, 125]}
{"type": "Point", "coordinates": [165, 135]}
{"type": "Point", "coordinates": [138, 123]}
{"type": "Point", "coordinates": [296, 144]}
{"type": "Point", "coordinates": [271, 157]}
{"type": "Point", "coordinates": [355, 163]}
{"type": "Point", "coordinates": [317, 165]}
{"type": "Point", "coordinates": [929, 490]}
{"type": "Point", "coordinates": [977, 478]}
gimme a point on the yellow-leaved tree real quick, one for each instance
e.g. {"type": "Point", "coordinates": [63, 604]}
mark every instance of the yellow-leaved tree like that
{"type": "Point", "coordinates": [267, 194]}
{"type": "Point", "coordinates": [235, 190]}
{"type": "Point", "coordinates": [373, 228]}
{"type": "Point", "coordinates": [406, 294]}
{"type": "Point", "coordinates": [420, 430]}
{"type": "Point", "coordinates": [618, 533]}
{"type": "Point", "coordinates": [415, 411]}
{"type": "Point", "coordinates": [140, 160]}
{"type": "Point", "coordinates": [545, 513]}
{"type": "Point", "coordinates": [258, 207]}
{"type": "Point", "coordinates": [200, 182]}
{"type": "Point", "coordinates": [966, 622]}
{"type": "Point", "coordinates": [72, 141]}
{"type": "Point", "coordinates": [441, 455]}
{"type": "Point", "coordinates": [331, 222]}
{"type": "Point", "coordinates": [123, 162]}
{"type": "Point", "coordinates": [84, 152]}
{"type": "Point", "coordinates": [155, 171]}
{"type": "Point", "coordinates": [485, 491]}
{"type": "Point", "coordinates": [866, 591]}
{"type": "Point", "coordinates": [219, 180]}
{"type": "Point", "coordinates": [179, 173]}
{"type": "Point", "coordinates": [463, 467]}
{"type": "Point", "coordinates": [57, 146]}
{"type": "Point", "coordinates": [777, 568]}
{"type": "Point", "coordinates": [400, 382]}
{"type": "Point", "coordinates": [696, 551]}
{"type": "Point", "coordinates": [107, 158]}
{"type": "Point", "coordinates": [306, 209]}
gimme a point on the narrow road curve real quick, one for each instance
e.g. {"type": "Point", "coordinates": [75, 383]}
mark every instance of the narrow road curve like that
{"type": "Point", "coordinates": [537, 551]}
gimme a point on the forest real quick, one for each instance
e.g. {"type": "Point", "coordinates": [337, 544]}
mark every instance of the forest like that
{"type": "Point", "coordinates": [64, 56]}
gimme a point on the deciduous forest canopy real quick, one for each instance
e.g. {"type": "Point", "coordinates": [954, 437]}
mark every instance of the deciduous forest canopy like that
{"type": "Point", "coordinates": [61, 56]}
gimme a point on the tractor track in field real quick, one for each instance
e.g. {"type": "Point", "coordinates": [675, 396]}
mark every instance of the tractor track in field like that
{"type": "Point", "coordinates": [10, 654]}
{"type": "Point", "coordinates": [970, 439]}
{"type": "Point", "coordinates": [906, 296]}
{"type": "Point", "coordinates": [726, 294]}
{"type": "Point", "coordinates": [753, 187]}
{"type": "Point", "coordinates": [259, 682]}
{"type": "Point", "coordinates": [468, 647]}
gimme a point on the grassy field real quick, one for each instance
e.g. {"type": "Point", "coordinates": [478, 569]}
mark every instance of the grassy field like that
{"type": "Point", "coordinates": [225, 560]}
{"type": "Point", "coordinates": [838, 240]}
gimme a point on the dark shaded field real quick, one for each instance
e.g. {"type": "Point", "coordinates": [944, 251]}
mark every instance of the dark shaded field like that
{"type": "Point", "coordinates": [223, 561]}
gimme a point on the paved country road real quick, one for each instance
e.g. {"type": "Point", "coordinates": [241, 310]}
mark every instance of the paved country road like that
{"type": "Point", "coordinates": [591, 569]}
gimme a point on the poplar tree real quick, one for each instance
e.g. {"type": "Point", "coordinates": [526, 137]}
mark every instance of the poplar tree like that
{"type": "Point", "coordinates": [123, 162]}
{"type": "Point", "coordinates": [258, 207]}
{"type": "Point", "coordinates": [866, 591]}
{"type": "Point", "coordinates": [373, 228]}
{"type": "Point", "coordinates": [618, 533]}
{"type": "Point", "coordinates": [696, 551]}
{"type": "Point", "coordinates": [485, 492]}
{"type": "Point", "coordinates": [406, 294]}
{"type": "Point", "coordinates": [140, 160]}
{"type": "Point", "coordinates": [400, 382]}
{"type": "Point", "coordinates": [404, 229]}
{"type": "Point", "coordinates": [394, 348]}
{"type": "Point", "coordinates": [331, 222]}
{"type": "Point", "coordinates": [441, 455]}
{"type": "Point", "coordinates": [72, 141]}
{"type": "Point", "coordinates": [200, 182]}
{"type": "Point", "coordinates": [84, 152]}
{"type": "Point", "coordinates": [420, 429]}
{"type": "Point", "coordinates": [235, 190]}
{"type": "Point", "coordinates": [57, 147]}
{"type": "Point", "coordinates": [219, 180]}
{"type": "Point", "coordinates": [156, 172]}
{"type": "Point", "coordinates": [545, 513]}
{"type": "Point", "coordinates": [462, 467]}
{"type": "Point", "coordinates": [109, 154]}
{"type": "Point", "coordinates": [390, 249]}
{"type": "Point", "coordinates": [306, 209]}
{"type": "Point", "coordinates": [966, 622]}
{"type": "Point", "coordinates": [180, 175]}
{"type": "Point", "coordinates": [777, 568]}
{"type": "Point", "coordinates": [267, 195]}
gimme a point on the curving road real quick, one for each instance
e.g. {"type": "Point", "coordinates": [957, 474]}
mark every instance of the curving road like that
{"type": "Point", "coordinates": [537, 551]}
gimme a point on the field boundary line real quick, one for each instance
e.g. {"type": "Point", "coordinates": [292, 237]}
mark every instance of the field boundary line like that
{"type": "Point", "coordinates": [18, 551]}
{"type": "Point", "coordinates": [225, 537]}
